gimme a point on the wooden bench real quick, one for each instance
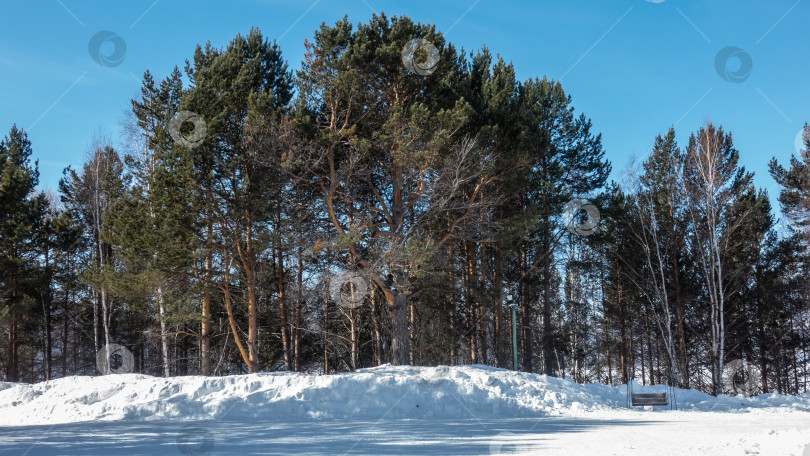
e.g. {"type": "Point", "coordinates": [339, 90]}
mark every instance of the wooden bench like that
{"type": "Point", "coordinates": [649, 399]}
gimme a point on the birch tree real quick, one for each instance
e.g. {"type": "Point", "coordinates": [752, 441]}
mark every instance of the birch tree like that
{"type": "Point", "coordinates": [654, 233]}
{"type": "Point", "coordinates": [712, 179]}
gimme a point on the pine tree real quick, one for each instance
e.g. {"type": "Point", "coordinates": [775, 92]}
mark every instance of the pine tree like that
{"type": "Point", "coordinates": [794, 201]}
{"type": "Point", "coordinates": [795, 181]}
{"type": "Point", "coordinates": [390, 158]}
{"type": "Point", "coordinates": [492, 90]}
{"type": "Point", "coordinates": [748, 270]}
{"type": "Point", "coordinates": [233, 89]}
{"type": "Point", "coordinates": [67, 245]}
{"type": "Point", "coordinates": [560, 159]}
{"type": "Point", "coordinates": [22, 210]}
{"type": "Point", "coordinates": [155, 220]}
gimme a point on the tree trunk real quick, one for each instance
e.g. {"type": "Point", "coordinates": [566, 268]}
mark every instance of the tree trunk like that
{"type": "Point", "coordinates": [468, 277]}
{"type": "Point", "coordinates": [205, 329]}
{"type": "Point", "coordinates": [247, 262]}
{"type": "Point", "coordinates": [648, 335]}
{"type": "Point", "coordinates": [46, 308]}
{"type": "Point", "coordinates": [205, 334]}
{"type": "Point", "coordinates": [282, 306]}
{"type": "Point", "coordinates": [11, 355]}
{"type": "Point", "coordinates": [498, 308]}
{"type": "Point", "coordinates": [623, 342]}
{"type": "Point", "coordinates": [226, 293]}
{"type": "Point", "coordinates": [355, 346]}
{"type": "Point", "coordinates": [375, 325]}
{"type": "Point", "coordinates": [253, 345]}
{"type": "Point", "coordinates": [164, 337]}
{"type": "Point", "coordinates": [65, 326]}
{"type": "Point", "coordinates": [325, 334]}
{"type": "Point", "coordinates": [96, 319]}
{"type": "Point", "coordinates": [106, 315]}
{"type": "Point", "coordinates": [641, 353]}
{"type": "Point", "coordinates": [412, 336]}
{"type": "Point", "coordinates": [297, 336]}
{"type": "Point", "coordinates": [298, 304]}
{"type": "Point", "coordinates": [526, 323]}
{"type": "Point", "coordinates": [762, 342]}
{"type": "Point", "coordinates": [400, 333]}
{"type": "Point", "coordinates": [680, 310]}
{"type": "Point", "coordinates": [483, 314]}
{"type": "Point", "coordinates": [547, 329]}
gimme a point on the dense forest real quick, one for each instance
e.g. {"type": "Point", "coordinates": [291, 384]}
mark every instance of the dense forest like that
{"type": "Point", "coordinates": [389, 202]}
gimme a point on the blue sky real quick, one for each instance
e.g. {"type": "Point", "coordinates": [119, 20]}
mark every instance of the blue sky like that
{"type": "Point", "coordinates": [635, 67]}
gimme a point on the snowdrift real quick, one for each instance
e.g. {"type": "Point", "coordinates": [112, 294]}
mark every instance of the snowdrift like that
{"type": "Point", "coordinates": [385, 392]}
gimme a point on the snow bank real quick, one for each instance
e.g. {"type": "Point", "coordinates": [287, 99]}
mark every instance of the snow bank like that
{"type": "Point", "coordinates": [385, 392]}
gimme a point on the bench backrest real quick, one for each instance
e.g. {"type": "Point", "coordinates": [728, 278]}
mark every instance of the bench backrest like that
{"type": "Point", "coordinates": [650, 399]}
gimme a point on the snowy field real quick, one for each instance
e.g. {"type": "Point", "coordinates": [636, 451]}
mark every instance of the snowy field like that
{"type": "Point", "coordinates": [471, 410]}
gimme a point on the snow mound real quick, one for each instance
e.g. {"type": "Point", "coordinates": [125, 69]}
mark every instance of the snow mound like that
{"type": "Point", "coordinates": [385, 392]}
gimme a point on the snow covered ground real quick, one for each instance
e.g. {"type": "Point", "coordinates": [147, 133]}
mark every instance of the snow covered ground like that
{"type": "Point", "coordinates": [469, 410]}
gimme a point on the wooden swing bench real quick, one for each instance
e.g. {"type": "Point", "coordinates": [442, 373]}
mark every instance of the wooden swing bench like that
{"type": "Point", "coordinates": [643, 399]}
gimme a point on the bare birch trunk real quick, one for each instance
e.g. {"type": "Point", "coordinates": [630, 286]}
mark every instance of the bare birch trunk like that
{"type": "Point", "coordinates": [164, 337]}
